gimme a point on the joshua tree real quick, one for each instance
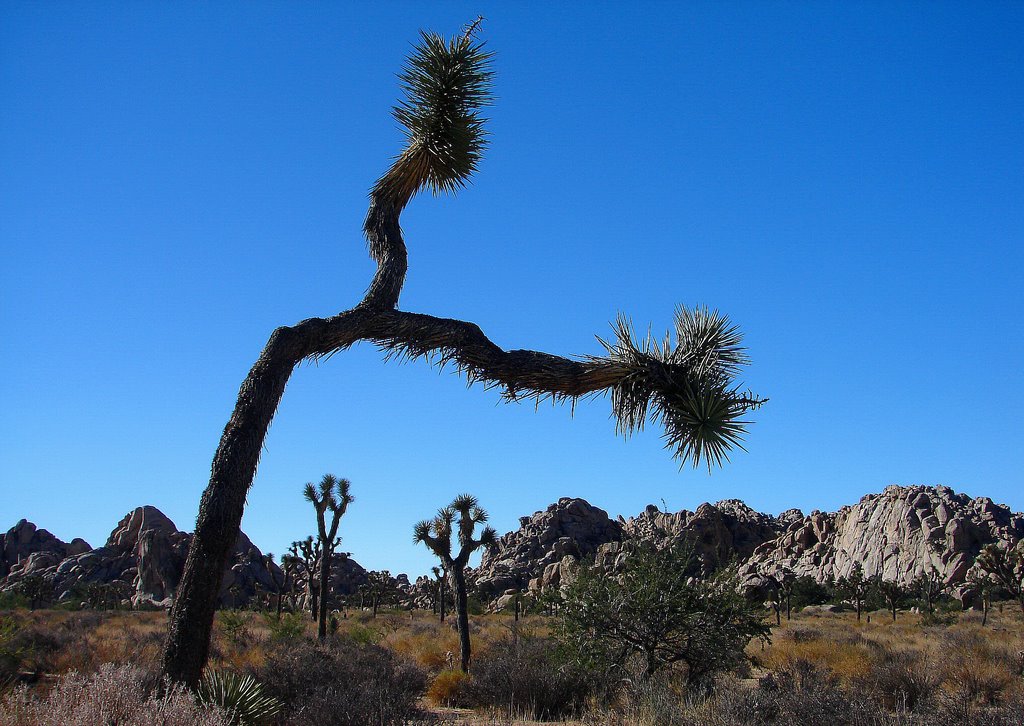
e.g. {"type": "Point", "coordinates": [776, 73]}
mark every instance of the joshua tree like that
{"type": "Point", "coordinates": [687, 383]}
{"type": "Point", "coordinates": [379, 585]}
{"type": "Point", "coordinates": [780, 593]}
{"type": "Point", "coordinates": [1005, 566]}
{"type": "Point", "coordinates": [855, 588]}
{"type": "Point", "coordinates": [929, 586]}
{"type": "Point", "coordinates": [983, 585]}
{"type": "Point", "coordinates": [436, 534]}
{"type": "Point", "coordinates": [289, 564]}
{"type": "Point", "coordinates": [893, 593]}
{"type": "Point", "coordinates": [307, 555]}
{"type": "Point", "coordinates": [331, 495]}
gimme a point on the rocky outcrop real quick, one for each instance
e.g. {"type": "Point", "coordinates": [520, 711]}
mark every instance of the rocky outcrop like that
{"type": "Point", "coordinates": [899, 534]}
{"type": "Point", "coordinates": [143, 558]}
{"type": "Point", "coordinates": [722, 532]}
{"type": "Point", "coordinates": [24, 540]}
{"type": "Point", "coordinates": [569, 528]}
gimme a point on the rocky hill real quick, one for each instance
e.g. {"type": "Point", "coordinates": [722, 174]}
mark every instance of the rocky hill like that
{"type": "Point", "coordinates": [142, 559]}
{"type": "Point", "coordinates": [901, 533]}
{"type": "Point", "coordinates": [898, 534]}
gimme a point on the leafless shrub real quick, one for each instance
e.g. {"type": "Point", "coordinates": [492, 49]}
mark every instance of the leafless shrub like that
{"type": "Point", "coordinates": [122, 695]}
{"type": "Point", "coordinates": [341, 683]}
{"type": "Point", "coordinates": [525, 677]}
{"type": "Point", "coordinates": [905, 679]}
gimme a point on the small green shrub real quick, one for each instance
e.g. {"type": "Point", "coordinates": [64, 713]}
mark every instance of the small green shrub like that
{"type": "Point", "coordinates": [234, 625]}
{"type": "Point", "coordinates": [289, 627]}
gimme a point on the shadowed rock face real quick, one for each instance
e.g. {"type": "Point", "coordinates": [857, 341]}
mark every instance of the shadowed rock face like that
{"type": "Point", "coordinates": [898, 534]}
{"type": "Point", "coordinates": [144, 556]}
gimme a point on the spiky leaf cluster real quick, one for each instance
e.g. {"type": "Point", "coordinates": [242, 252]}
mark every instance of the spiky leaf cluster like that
{"type": "Point", "coordinates": [446, 83]}
{"type": "Point", "coordinates": [437, 533]}
{"type": "Point", "coordinates": [685, 382]}
{"type": "Point", "coordinates": [241, 696]}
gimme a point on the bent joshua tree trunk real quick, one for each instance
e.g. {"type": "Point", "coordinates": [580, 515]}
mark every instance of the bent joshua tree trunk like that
{"type": "Point", "coordinates": [687, 386]}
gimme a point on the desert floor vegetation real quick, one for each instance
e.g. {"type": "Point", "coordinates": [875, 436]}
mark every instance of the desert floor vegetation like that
{"type": "Point", "coordinates": [403, 667]}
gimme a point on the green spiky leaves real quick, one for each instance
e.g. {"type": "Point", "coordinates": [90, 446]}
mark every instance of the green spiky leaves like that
{"type": "Point", "coordinates": [446, 83]}
{"type": "Point", "coordinates": [686, 382]}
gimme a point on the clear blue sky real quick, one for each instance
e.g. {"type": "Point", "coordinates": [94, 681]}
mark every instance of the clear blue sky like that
{"type": "Point", "coordinates": [846, 181]}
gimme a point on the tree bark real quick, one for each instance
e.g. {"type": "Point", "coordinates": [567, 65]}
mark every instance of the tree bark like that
{"type": "Point", "coordinates": [444, 596]}
{"type": "Point", "coordinates": [325, 568]}
{"type": "Point", "coordinates": [462, 611]}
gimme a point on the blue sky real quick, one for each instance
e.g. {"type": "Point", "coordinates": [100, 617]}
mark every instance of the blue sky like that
{"type": "Point", "coordinates": [846, 182]}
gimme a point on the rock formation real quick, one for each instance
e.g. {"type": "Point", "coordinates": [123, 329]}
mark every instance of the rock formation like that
{"type": "Point", "coordinates": [24, 540]}
{"type": "Point", "coordinates": [533, 555]}
{"type": "Point", "coordinates": [899, 534]}
{"type": "Point", "coordinates": [143, 556]}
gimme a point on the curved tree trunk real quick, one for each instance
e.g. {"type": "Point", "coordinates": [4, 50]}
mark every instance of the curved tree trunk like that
{"type": "Point", "coordinates": [462, 612]}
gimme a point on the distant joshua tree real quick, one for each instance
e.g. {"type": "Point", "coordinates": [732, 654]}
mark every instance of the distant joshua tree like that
{"type": "Point", "coordinates": [894, 594]}
{"type": "Point", "coordinates": [855, 588]}
{"type": "Point", "coordinates": [686, 382]}
{"type": "Point", "coordinates": [332, 495]}
{"type": "Point", "coordinates": [436, 534]}
{"type": "Point", "coordinates": [929, 587]}
{"type": "Point", "coordinates": [379, 587]}
{"type": "Point", "coordinates": [307, 556]}
{"type": "Point", "coordinates": [983, 585]}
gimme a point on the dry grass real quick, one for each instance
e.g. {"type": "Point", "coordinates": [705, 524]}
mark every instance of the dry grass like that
{"type": "Point", "coordinates": [897, 665]}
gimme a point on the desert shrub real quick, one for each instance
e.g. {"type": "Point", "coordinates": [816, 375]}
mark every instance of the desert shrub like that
{"type": "Point", "coordinates": [363, 634]}
{"type": "Point", "coordinates": [235, 626]}
{"type": "Point", "coordinates": [448, 688]}
{"type": "Point", "coordinates": [122, 695]}
{"type": "Point", "coordinates": [289, 627]}
{"type": "Point", "coordinates": [341, 683]}
{"type": "Point", "coordinates": [12, 600]}
{"type": "Point", "coordinates": [976, 669]}
{"type": "Point", "coordinates": [41, 647]}
{"type": "Point", "coordinates": [803, 692]}
{"type": "Point", "coordinates": [11, 652]}
{"type": "Point", "coordinates": [647, 702]}
{"type": "Point", "coordinates": [905, 679]}
{"type": "Point", "coordinates": [938, 619]}
{"type": "Point", "coordinates": [658, 610]}
{"type": "Point", "coordinates": [526, 677]}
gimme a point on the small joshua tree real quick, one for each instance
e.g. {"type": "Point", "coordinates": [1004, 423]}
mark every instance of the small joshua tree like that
{"type": "Point", "coordinates": [855, 588]}
{"type": "Point", "coordinates": [379, 586]}
{"type": "Point", "coordinates": [436, 534]}
{"type": "Point", "coordinates": [307, 555]}
{"type": "Point", "coordinates": [331, 495]}
{"type": "Point", "coordinates": [780, 593]}
{"type": "Point", "coordinates": [983, 585]}
{"type": "Point", "coordinates": [929, 587]}
{"type": "Point", "coordinates": [894, 595]}
{"type": "Point", "coordinates": [1006, 567]}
